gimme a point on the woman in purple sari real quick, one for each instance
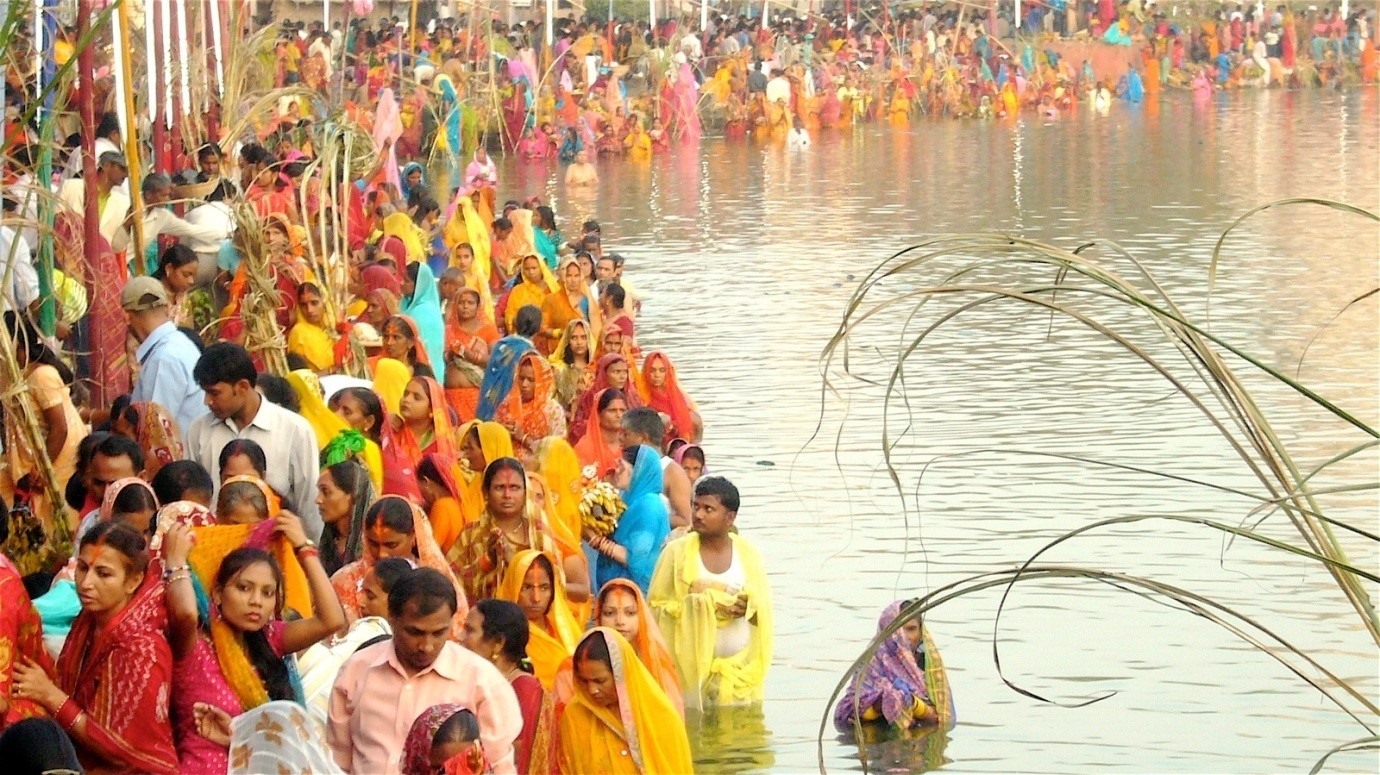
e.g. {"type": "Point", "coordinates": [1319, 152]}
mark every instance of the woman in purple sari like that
{"type": "Point", "coordinates": [904, 685]}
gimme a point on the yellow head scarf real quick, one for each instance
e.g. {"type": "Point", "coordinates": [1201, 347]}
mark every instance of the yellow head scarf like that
{"type": "Point", "coordinates": [643, 727]}
{"type": "Point", "coordinates": [327, 424]}
{"type": "Point", "coordinates": [560, 467]}
{"type": "Point", "coordinates": [400, 225]}
{"type": "Point", "coordinates": [496, 442]}
{"type": "Point", "coordinates": [390, 380]}
{"type": "Point", "coordinates": [551, 643]}
{"type": "Point", "coordinates": [465, 226]}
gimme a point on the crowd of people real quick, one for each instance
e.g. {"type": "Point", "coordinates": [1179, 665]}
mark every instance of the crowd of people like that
{"type": "Point", "coordinates": [629, 88]}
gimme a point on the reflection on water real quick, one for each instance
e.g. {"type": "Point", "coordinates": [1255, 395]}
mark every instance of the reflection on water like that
{"type": "Point", "coordinates": [730, 740]}
{"type": "Point", "coordinates": [884, 749]}
{"type": "Point", "coordinates": [745, 257]}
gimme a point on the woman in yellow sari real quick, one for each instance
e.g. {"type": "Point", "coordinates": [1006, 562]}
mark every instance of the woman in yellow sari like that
{"type": "Point", "coordinates": [559, 468]}
{"type": "Point", "coordinates": [390, 380]}
{"type": "Point", "coordinates": [481, 443]}
{"type": "Point", "coordinates": [535, 286]}
{"type": "Point", "coordinates": [335, 439]}
{"type": "Point", "coordinates": [574, 361]}
{"type": "Point", "coordinates": [619, 721]}
{"type": "Point", "coordinates": [309, 336]}
{"type": "Point", "coordinates": [533, 582]}
{"type": "Point", "coordinates": [400, 226]}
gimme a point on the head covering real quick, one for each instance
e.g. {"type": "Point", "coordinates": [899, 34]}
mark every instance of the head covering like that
{"type": "Point", "coordinates": [552, 640]}
{"type": "Point", "coordinates": [648, 643]}
{"type": "Point", "coordinates": [530, 417]}
{"type": "Point", "coordinates": [594, 449]}
{"type": "Point", "coordinates": [588, 403]}
{"type": "Point", "coordinates": [158, 435]}
{"type": "Point", "coordinates": [278, 737]}
{"type": "Point", "coordinates": [390, 380]}
{"type": "Point", "coordinates": [667, 399]}
{"type": "Point", "coordinates": [112, 492]}
{"type": "Point", "coordinates": [424, 308]}
{"type": "Point", "coordinates": [495, 442]}
{"type": "Point", "coordinates": [419, 348]}
{"type": "Point", "coordinates": [560, 467]}
{"type": "Point", "coordinates": [417, 748]}
{"type": "Point", "coordinates": [897, 682]}
{"type": "Point", "coordinates": [442, 433]}
{"type": "Point", "coordinates": [349, 581]}
{"type": "Point", "coordinates": [402, 180]}
{"type": "Point", "coordinates": [644, 720]}
{"type": "Point", "coordinates": [646, 522]}
{"type": "Point", "coordinates": [563, 346]}
{"type": "Point", "coordinates": [377, 277]}
{"type": "Point", "coordinates": [500, 374]}
{"type": "Point", "coordinates": [187, 513]}
{"type": "Point", "coordinates": [362, 497]}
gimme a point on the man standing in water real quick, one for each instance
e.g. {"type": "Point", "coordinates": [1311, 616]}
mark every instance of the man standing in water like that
{"type": "Point", "coordinates": [713, 604]}
{"type": "Point", "coordinates": [581, 173]}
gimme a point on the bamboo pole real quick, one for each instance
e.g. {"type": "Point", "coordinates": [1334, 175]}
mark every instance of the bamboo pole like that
{"type": "Point", "coordinates": [86, 71]}
{"type": "Point", "coordinates": [124, 68]}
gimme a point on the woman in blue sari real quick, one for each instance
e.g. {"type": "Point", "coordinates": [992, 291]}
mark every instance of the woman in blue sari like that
{"type": "Point", "coordinates": [423, 306]}
{"type": "Point", "coordinates": [413, 181]}
{"type": "Point", "coordinates": [546, 236]}
{"type": "Point", "coordinates": [501, 373]}
{"type": "Point", "coordinates": [632, 550]}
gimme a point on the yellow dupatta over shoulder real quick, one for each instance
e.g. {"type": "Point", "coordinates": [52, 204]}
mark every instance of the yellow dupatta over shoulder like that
{"type": "Point", "coordinates": [467, 227]}
{"type": "Point", "coordinates": [642, 735]}
{"type": "Point", "coordinates": [390, 380]}
{"type": "Point", "coordinates": [327, 424]}
{"type": "Point", "coordinates": [550, 645]}
{"type": "Point", "coordinates": [690, 622]}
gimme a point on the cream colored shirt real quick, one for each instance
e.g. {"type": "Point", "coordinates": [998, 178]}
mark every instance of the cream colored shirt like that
{"type": "Point", "coordinates": [374, 702]}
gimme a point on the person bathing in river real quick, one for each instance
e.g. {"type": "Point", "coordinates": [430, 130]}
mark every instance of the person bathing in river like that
{"type": "Point", "coordinates": [904, 685]}
{"type": "Point", "coordinates": [713, 604]}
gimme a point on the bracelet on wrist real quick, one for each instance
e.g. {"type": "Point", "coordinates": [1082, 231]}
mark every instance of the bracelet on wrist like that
{"type": "Point", "coordinates": [308, 551]}
{"type": "Point", "coordinates": [170, 571]}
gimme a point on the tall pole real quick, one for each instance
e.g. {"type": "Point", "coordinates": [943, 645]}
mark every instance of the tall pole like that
{"type": "Point", "coordinates": [1017, 31]}
{"type": "Point", "coordinates": [124, 72]}
{"type": "Point", "coordinates": [91, 216]}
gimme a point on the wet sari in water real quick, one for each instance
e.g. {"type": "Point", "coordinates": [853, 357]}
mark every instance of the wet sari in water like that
{"type": "Point", "coordinates": [896, 687]}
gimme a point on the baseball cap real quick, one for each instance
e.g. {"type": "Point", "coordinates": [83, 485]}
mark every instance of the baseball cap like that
{"type": "Point", "coordinates": [143, 293]}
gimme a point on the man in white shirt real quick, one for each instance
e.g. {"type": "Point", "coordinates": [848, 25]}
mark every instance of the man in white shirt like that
{"type": "Point", "coordinates": [238, 411]}
{"type": "Point", "coordinates": [20, 289]}
{"type": "Point", "coordinates": [159, 220]}
{"type": "Point", "coordinates": [799, 137]}
{"type": "Point", "coordinates": [778, 88]}
{"type": "Point", "coordinates": [113, 203]}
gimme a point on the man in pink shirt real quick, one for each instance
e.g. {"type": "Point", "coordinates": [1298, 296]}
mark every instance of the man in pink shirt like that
{"type": "Point", "coordinates": [382, 689]}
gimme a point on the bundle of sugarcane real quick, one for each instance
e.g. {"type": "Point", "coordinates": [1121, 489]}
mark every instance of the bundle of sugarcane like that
{"type": "Point", "coordinates": [21, 417]}
{"type": "Point", "coordinates": [259, 302]}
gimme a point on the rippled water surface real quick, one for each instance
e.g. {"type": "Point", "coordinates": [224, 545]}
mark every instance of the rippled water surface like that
{"type": "Point", "coordinates": [747, 255]}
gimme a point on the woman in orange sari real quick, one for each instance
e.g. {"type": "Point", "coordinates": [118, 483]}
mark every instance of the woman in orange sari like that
{"type": "Point", "coordinates": [602, 446]}
{"type": "Point", "coordinates": [622, 608]}
{"type": "Point", "coordinates": [531, 413]}
{"type": "Point", "coordinates": [533, 582]}
{"type": "Point", "coordinates": [402, 342]}
{"type": "Point", "coordinates": [571, 302]}
{"type": "Point", "coordinates": [394, 528]}
{"type": "Point", "coordinates": [422, 425]}
{"type": "Point", "coordinates": [439, 479]}
{"type": "Point", "coordinates": [614, 371]}
{"type": "Point", "coordinates": [468, 339]}
{"type": "Point", "coordinates": [661, 390]}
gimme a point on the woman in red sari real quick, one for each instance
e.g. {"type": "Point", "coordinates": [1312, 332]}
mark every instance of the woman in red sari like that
{"type": "Point", "coordinates": [661, 390]}
{"type": "Point", "coordinates": [422, 425]}
{"type": "Point", "coordinates": [21, 640]}
{"type": "Point", "coordinates": [115, 672]}
{"type": "Point", "coordinates": [612, 372]}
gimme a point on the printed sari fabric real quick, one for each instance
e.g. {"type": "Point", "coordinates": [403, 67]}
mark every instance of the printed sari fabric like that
{"type": "Point", "coordinates": [118, 677]}
{"type": "Point", "coordinates": [278, 737]}
{"type": "Point", "coordinates": [540, 417]}
{"type": "Point", "coordinates": [501, 374]}
{"type": "Point", "coordinates": [348, 582]}
{"type": "Point", "coordinates": [21, 638]}
{"type": "Point", "coordinates": [551, 641]}
{"type": "Point", "coordinates": [643, 734]}
{"type": "Point", "coordinates": [159, 437]}
{"type": "Point", "coordinates": [895, 687]}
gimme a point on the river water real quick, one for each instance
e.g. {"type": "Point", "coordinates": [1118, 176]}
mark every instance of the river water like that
{"type": "Point", "coordinates": [746, 256]}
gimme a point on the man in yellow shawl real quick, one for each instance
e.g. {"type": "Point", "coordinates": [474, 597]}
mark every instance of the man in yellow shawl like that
{"type": "Point", "coordinates": [713, 603]}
